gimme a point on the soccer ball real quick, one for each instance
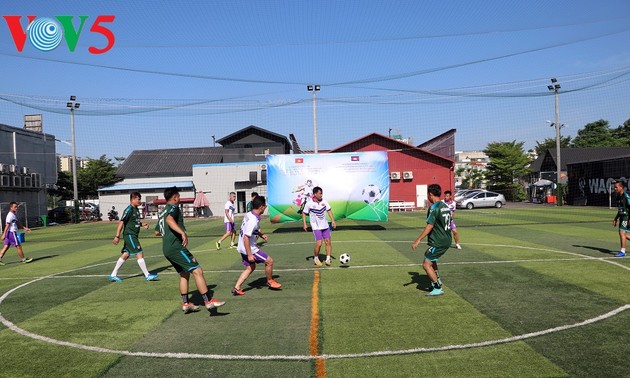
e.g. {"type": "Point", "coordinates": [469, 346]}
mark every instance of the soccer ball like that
{"type": "Point", "coordinates": [371, 194]}
{"type": "Point", "coordinates": [344, 258]}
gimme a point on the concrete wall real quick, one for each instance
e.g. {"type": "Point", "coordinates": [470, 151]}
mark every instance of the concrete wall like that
{"type": "Point", "coordinates": [36, 151]}
{"type": "Point", "coordinates": [218, 180]}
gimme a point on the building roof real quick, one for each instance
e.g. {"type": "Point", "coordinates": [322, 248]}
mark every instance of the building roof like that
{"type": "Point", "coordinates": [252, 130]}
{"type": "Point", "coordinates": [147, 186]}
{"type": "Point", "coordinates": [577, 155]}
{"type": "Point", "coordinates": [390, 144]}
{"type": "Point", "coordinates": [443, 144]}
{"type": "Point", "coordinates": [169, 162]}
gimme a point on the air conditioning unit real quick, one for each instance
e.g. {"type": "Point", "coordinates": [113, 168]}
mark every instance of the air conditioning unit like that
{"type": "Point", "coordinates": [27, 181]}
{"type": "Point", "coordinates": [13, 168]}
{"type": "Point", "coordinates": [4, 168]}
{"type": "Point", "coordinates": [36, 180]}
{"type": "Point", "coordinates": [408, 175]}
{"type": "Point", "coordinates": [17, 181]}
{"type": "Point", "coordinates": [394, 175]}
{"type": "Point", "coordinates": [25, 171]}
{"type": "Point", "coordinates": [263, 167]}
{"type": "Point", "coordinates": [5, 181]}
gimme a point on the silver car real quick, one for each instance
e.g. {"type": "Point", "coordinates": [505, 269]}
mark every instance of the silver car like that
{"type": "Point", "coordinates": [481, 199]}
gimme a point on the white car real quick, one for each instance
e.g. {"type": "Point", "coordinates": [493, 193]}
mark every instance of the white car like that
{"type": "Point", "coordinates": [481, 199]}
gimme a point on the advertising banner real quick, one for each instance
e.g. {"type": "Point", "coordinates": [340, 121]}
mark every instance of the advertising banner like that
{"type": "Point", "coordinates": [355, 184]}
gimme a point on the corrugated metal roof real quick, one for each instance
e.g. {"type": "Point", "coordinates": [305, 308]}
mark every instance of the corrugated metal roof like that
{"type": "Point", "coordinates": [168, 162]}
{"type": "Point", "coordinates": [146, 186]}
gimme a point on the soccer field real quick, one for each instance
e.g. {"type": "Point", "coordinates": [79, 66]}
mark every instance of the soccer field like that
{"type": "Point", "coordinates": [535, 292]}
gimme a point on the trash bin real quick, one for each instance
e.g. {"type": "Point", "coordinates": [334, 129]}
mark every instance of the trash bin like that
{"type": "Point", "coordinates": [44, 220]}
{"type": "Point", "coordinates": [20, 237]}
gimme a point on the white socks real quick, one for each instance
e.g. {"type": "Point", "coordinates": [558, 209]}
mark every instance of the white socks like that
{"type": "Point", "coordinates": [143, 266]}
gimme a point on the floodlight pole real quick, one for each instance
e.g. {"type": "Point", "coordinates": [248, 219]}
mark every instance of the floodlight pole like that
{"type": "Point", "coordinates": [314, 89]}
{"type": "Point", "coordinates": [555, 88]}
{"type": "Point", "coordinates": [72, 104]}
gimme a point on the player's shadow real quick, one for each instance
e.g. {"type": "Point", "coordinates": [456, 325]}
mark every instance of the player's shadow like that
{"type": "Point", "coordinates": [196, 298]}
{"type": "Point", "coordinates": [43, 257]}
{"type": "Point", "coordinates": [598, 249]}
{"type": "Point", "coordinates": [421, 281]}
{"type": "Point", "coordinates": [359, 227]}
{"type": "Point", "coordinates": [321, 257]}
{"type": "Point", "coordinates": [260, 283]}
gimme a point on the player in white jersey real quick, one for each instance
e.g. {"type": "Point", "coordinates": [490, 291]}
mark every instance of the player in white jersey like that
{"type": "Point", "coordinates": [452, 205]}
{"type": "Point", "coordinates": [228, 220]}
{"type": "Point", "coordinates": [10, 235]}
{"type": "Point", "coordinates": [317, 210]}
{"type": "Point", "coordinates": [247, 247]}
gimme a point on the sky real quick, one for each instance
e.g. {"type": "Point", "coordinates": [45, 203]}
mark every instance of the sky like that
{"type": "Point", "coordinates": [179, 73]}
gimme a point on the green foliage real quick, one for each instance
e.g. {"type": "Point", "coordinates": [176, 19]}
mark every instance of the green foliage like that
{"type": "Point", "coordinates": [99, 172]}
{"type": "Point", "coordinates": [508, 162]}
{"type": "Point", "coordinates": [599, 134]}
{"type": "Point", "coordinates": [472, 176]}
{"type": "Point", "coordinates": [547, 143]}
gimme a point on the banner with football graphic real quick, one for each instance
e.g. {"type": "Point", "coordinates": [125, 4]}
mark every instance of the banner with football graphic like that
{"type": "Point", "coordinates": [355, 184]}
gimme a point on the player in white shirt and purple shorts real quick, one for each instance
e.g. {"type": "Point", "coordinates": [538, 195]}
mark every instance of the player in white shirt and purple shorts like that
{"type": "Point", "coordinates": [228, 220]}
{"type": "Point", "coordinates": [10, 236]}
{"type": "Point", "coordinates": [317, 210]}
{"type": "Point", "coordinates": [453, 206]}
{"type": "Point", "coordinates": [247, 247]}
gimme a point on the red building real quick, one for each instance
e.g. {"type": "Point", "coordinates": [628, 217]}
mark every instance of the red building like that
{"type": "Point", "coordinates": [412, 169]}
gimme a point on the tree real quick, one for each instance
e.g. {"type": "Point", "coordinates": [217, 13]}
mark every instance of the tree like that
{"type": "Point", "coordinates": [622, 134]}
{"type": "Point", "coordinates": [548, 143]}
{"type": "Point", "coordinates": [62, 190]}
{"type": "Point", "coordinates": [472, 176]}
{"type": "Point", "coordinates": [508, 163]}
{"type": "Point", "coordinates": [596, 134]}
{"type": "Point", "coordinates": [96, 173]}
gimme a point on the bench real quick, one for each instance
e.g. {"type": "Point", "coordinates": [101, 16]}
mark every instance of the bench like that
{"type": "Point", "coordinates": [401, 206]}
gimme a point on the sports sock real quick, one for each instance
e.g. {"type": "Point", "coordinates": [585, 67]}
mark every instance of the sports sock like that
{"type": "Point", "coordinates": [119, 263]}
{"type": "Point", "coordinates": [623, 250]}
{"type": "Point", "coordinates": [184, 298]}
{"type": "Point", "coordinates": [205, 297]}
{"type": "Point", "coordinates": [143, 266]}
{"type": "Point", "coordinates": [436, 285]}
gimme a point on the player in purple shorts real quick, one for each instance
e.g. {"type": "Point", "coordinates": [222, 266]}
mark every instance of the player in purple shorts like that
{"type": "Point", "coordinates": [10, 235]}
{"type": "Point", "coordinates": [317, 210]}
{"type": "Point", "coordinates": [452, 205]}
{"type": "Point", "coordinates": [247, 247]}
{"type": "Point", "coordinates": [228, 220]}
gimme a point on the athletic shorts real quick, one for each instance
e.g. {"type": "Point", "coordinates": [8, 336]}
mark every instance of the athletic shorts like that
{"type": "Point", "coordinates": [132, 245]}
{"type": "Point", "coordinates": [229, 227]}
{"type": "Point", "coordinates": [182, 260]}
{"type": "Point", "coordinates": [259, 258]}
{"type": "Point", "coordinates": [434, 253]}
{"type": "Point", "coordinates": [624, 225]}
{"type": "Point", "coordinates": [322, 234]}
{"type": "Point", "coordinates": [452, 226]}
{"type": "Point", "coordinates": [11, 239]}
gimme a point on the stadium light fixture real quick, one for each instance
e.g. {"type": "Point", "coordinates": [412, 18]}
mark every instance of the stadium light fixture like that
{"type": "Point", "coordinates": [314, 89]}
{"type": "Point", "coordinates": [555, 87]}
{"type": "Point", "coordinates": [72, 105]}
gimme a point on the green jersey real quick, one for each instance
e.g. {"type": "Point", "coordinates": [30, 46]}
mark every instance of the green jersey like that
{"type": "Point", "coordinates": [171, 241]}
{"type": "Point", "coordinates": [132, 221]}
{"type": "Point", "coordinates": [623, 205]}
{"type": "Point", "coordinates": [439, 215]}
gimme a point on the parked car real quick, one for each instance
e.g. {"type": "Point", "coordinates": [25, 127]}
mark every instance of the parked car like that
{"type": "Point", "coordinates": [463, 193]}
{"type": "Point", "coordinates": [481, 199]}
{"type": "Point", "coordinates": [61, 214]}
{"type": "Point", "coordinates": [89, 207]}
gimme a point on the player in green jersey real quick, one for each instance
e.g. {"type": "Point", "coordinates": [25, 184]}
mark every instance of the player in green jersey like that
{"type": "Point", "coordinates": [129, 225]}
{"type": "Point", "coordinates": [174, 243]}
{"type": "Point", "coordinates": [439, 232]}
{"type": "Point", "coordinates": [623, 216]}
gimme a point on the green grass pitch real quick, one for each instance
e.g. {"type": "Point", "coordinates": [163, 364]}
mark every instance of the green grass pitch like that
{"type": "Point", "coordinates": [535, 292]}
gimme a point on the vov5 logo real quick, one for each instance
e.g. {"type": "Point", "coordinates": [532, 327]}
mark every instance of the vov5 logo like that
{"type": "Point", "coordinates": [45, 33]}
